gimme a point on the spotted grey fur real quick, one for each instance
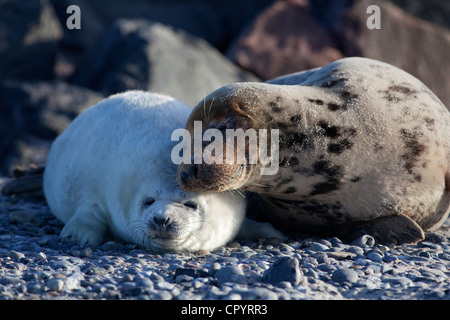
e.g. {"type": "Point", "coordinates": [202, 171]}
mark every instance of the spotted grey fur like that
{"type": "Point", "coordinates": [364, 148]}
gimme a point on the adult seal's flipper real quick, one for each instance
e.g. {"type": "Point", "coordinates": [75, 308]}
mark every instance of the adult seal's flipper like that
{"type": "Point", "coordinates": [396, 230]}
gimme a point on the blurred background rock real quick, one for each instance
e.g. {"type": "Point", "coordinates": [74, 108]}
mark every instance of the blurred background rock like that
{"type": "Point", "coordinates": [187, 49]}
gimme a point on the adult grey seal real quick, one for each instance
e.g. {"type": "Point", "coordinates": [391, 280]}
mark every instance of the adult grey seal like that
{"type": "Point", "coordinates": [364, 148]}
{"type": "Point", "coordinates": [110, 170]}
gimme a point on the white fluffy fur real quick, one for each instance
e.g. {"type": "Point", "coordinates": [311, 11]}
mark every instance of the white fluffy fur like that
{"type": "Point", "coordinates": [115, 156]}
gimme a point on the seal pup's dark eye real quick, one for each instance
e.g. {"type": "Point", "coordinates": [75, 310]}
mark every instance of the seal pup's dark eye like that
{"type": "Point", "coordinates": [148, 202]}
{"type": "Point", "coordinates": [191, 205]}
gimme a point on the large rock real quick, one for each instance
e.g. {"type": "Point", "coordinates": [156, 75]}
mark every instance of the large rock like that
{"type": "Point", "coordinates": [213, 21]}
{"type": "Point", "coordinates": [436, 11]}
{"type": "Point", "coordinates": [138, 54]}
{"type": "Point", "coordinates": [415, 45]}
{"type": "Point", "coordinates": [32, 114]}
{"type": "Point", "coordinates": [29, 35]}
{"type": "Point", "coordinates": [285, 38]}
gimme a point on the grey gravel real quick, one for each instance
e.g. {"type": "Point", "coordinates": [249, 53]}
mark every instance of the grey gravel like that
{"type": "Point", "coordinates": [36, 264]}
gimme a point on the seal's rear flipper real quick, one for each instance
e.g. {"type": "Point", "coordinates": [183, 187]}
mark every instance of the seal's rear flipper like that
{"type": "Point", "coordinates": [396, 230]}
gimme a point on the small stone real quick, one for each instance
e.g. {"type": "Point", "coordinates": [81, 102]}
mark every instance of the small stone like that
{"type": "Point", "coordinates": [316, 246]}
{"type": "Point", "coordinates": [41, 256]}
{"type": "Point", "coordinates": [233, 244]}
{"type": "Point", "coordinates": [242, 255]}
{"type": "Point", "coordinates": [74, 281]}
{"type": "Point", "coordinates": [258, 293]}
{"type": "Point", "coordinates": [285, 247]}
{"type": "Point", "coordinates": [424, 254]}
{"type": "Point", "coordinates": [390, 258]}
{"type": "Point", "coordinates": [326, 267]}
{"type": "Point", "coordinates": [284, 269]}
{"type": "Point", "coordinates": [355, 249]}
{"type": "Point", "coordinates": [143, 282]}
{"type": "Point", "coordinates": [197, 284]}
{"type": "Point", "coordinates": [127, 278]}
{"type": "Point", "coordinates": [86, 252]}
{"type": "Point", "coordinates": [99, 271]}
{"type": "Point", "coordinates": [156, 277]}
{"type": "Point", "coordinates": [234, 296]}
{"type": "Point", "coordinates": [284, 285]}
{"type": "Point", "coordinates": [127, 286]}
{"type": "Point", "coordinates": [22, 289]}
{"type": "Point", "coordinates": [163, 295]}
{"type": "Point", "coordinates": [341, 255]}
{"type": "Point", "coordinates": [163, 285]}
{"type": "Point", "coordinates": [323, 258]}
{"type": "Point", "coordinates": [336, 242]}
{"type": "Point", "coordinates": [230, 274]}
{"type": "Point", "coordinates": [374, 256]}
{"type": "Point", "coordinates": [33, 287]}
{"type": "Point", "coordinates": [55, 284]}
{"type": "Point", "coordinates": [428, 244]}
{"type": "Point", "coordinates": [15, 255]}
{"type": "Point", "coordinates": [99, 288]}
{"type": "Point", "coordinates": [6, 280]}
{"type": "Point", "coordinates": [344, 275]}
{"type": "Point", "coordinates": [214, 268]}
{"type": "Point", "coordinates": [402, 281]}
{"type": "Point", "coordinates": [195, 273]}
{"type": "Point", "coordinates": [183, 278]}
{"type": "Point", "coordinates": [444, 256]}
{"type": "Point", "coordinates": [365, 240]}
{"type": "Point", "coordinates": [135, 261]}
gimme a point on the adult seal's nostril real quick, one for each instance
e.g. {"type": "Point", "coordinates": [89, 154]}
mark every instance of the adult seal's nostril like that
{"type": "Point", "coordinates": [193, 171]}
{"type": "Point", "coordinates": [184, 177]}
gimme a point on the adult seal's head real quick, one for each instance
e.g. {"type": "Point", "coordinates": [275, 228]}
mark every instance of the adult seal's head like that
{"type": "Point", "coordinates": [234, 114]}
{"type": "Point", "coordinates": [364, 147]}
{"type": "Point", "coordinates": [111, 171]}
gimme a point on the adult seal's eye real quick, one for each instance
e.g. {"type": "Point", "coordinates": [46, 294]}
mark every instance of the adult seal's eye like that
{"type": "Point", "coordinates": [148, 202]}
{"type": "Point", "coordinates": [191, 205]}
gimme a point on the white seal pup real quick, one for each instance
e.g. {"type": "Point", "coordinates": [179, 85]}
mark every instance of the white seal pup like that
{"type": "Point", "coordinates": [110, 170]}
{"type": "Point", "coordinates": [364, 148]}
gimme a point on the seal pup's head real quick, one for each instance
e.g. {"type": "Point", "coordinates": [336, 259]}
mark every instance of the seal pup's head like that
{"type": "Point", "coordinates": [234, 114]}
{"type": "Point", "coordinates": [179, 221]}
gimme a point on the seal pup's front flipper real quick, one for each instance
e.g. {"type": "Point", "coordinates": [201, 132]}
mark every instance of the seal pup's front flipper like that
{"type": "Point", "coordinates": [85, 227]}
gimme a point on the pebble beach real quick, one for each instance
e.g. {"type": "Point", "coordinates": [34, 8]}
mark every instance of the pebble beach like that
{"type": "Point", "coordinates": [35, 264]}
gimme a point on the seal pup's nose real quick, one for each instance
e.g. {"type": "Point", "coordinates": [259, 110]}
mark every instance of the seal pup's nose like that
{"type": "Point", "coordinates": [160, 223]}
